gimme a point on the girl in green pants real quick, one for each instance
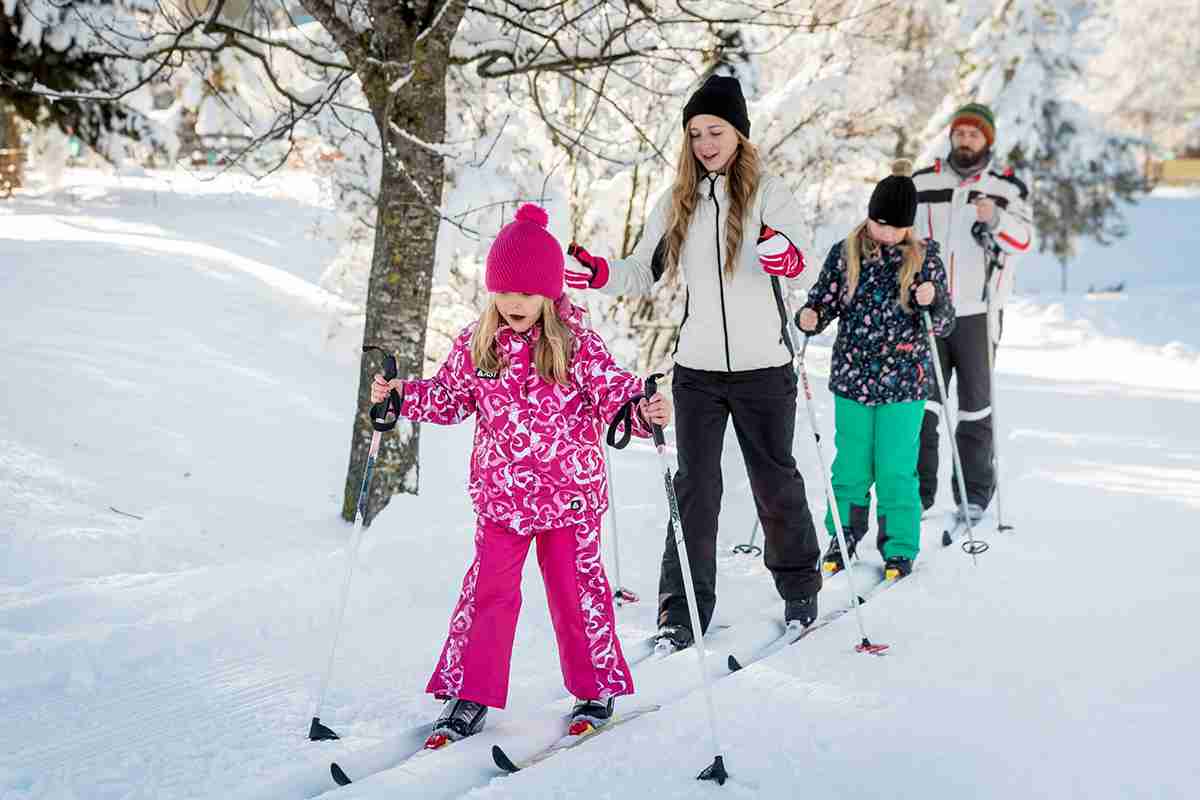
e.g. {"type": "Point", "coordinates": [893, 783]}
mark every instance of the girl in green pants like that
{"type": "Point", "coordinates": [876, 283]}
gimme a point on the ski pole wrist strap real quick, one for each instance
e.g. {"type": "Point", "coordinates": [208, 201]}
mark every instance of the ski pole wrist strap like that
{"type": "Point", "coordinates": [623, 421]}
{"type": "Point", "coordinates": [380, 412]}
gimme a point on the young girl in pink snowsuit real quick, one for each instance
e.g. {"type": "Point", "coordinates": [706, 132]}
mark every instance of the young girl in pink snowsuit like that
{"type": "Point", "coordinates": [543, 389]}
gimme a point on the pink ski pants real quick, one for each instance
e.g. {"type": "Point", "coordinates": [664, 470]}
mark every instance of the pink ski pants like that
{"type": "Point", "coordinates": [475, 661]}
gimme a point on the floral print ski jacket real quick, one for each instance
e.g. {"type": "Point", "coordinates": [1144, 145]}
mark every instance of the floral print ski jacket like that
{"type": "Point", "coordinates": [881, 354]}
{"type": "Point", "coordinates": [538, 457]}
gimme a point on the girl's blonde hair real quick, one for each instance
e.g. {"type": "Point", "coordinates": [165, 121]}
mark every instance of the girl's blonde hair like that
{"type": "Point", "coordinates": [551, 355]}
{"type": "Point", "coordinates": [741, 176]}
{"type": "Point", "coordinates": [859, 244]}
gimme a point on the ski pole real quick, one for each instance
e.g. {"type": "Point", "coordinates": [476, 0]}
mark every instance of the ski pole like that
{"type": "Point", "coordinates": [716, 770]}
{"type": "Point", "coordinates": [384, 416]}
{"type": "Point", "coordinates": [865, 646]}
{"type": "Point", "coordinates": [986, 240]}
{"type": "Point", "coordinates": [972, 546]}
{"type": "Point", "coordinates": [1000, 526]}
{"type": "Point", "coordinates": [620, 594]}
{"type": "Point", "coordinates": [750, 548]}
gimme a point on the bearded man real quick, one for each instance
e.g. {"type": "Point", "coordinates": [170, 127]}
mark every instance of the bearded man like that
{"type": "Point", "coordinates": [979, 213]}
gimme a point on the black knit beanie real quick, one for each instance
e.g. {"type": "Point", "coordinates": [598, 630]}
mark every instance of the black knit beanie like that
{"type": "Point", "coordinates": [721, 97]}
{"type": "Point", "coordinates": [894, 201]}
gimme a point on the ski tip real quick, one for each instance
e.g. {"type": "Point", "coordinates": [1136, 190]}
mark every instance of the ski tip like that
{"type": "Point", "coordinates": [734, 664]}
{"type": "Point", "coordinates": [502, 760]}
{"type": "Point", "coordinates": [320, 733]}
{"type": "Point", "coordinates": [339, 777]}
{"type": "Point", "coordinates": [715, 772]}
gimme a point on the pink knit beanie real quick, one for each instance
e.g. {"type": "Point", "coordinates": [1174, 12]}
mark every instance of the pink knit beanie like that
{"type": "Point", "coordinates": [526, 257]}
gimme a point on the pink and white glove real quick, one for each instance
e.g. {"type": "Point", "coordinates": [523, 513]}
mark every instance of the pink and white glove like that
{"type": "Point", "coordinates": [589, 271]}
{"type": "Point", "coordinates": [778, 256]}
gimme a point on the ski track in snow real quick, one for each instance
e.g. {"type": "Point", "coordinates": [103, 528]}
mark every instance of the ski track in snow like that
{"type": "Point", "coordinates": [168, 360]}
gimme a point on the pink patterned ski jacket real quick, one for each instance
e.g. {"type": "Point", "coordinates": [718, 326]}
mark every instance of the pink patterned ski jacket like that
{"type": "Point", "coordinates": [537, 461]}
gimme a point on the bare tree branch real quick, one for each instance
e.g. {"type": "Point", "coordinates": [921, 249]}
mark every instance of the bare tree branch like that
{"type": "Point", "coordinates": [351, 43]}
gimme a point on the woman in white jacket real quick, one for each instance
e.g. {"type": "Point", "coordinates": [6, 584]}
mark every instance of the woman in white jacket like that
{"type": "Point", "coordinates": [727, 230]}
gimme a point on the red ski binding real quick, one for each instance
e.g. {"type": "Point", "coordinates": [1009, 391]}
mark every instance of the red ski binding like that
{"type": "Point", "coordinates": [437, 741]}
{"type": "Point", "coordinates": [625, 596]}
{"type": "Point", "coordinates": [580, 727]}
{"type": "Point", "coordinates": [865, 646]}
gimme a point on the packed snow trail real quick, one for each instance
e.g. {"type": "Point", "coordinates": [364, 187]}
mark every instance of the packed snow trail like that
{"type": "Point", "coordinates": [526, 736]}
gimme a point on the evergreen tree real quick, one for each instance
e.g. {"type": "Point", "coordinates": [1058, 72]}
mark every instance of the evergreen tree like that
{"type": "Point", "coordinates": [1024, 60]}
{"type": "Point", "coordinates": [55, 64]}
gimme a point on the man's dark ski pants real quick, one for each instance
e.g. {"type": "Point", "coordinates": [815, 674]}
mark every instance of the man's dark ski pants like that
{"type": "Point", "coordinates": [963, 352]}
{"type": "Point", "coordinates": [762, 403]}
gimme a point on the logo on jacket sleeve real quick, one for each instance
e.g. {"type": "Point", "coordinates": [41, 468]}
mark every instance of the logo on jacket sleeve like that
{"type": "Point", "coordinates": [480, 372]}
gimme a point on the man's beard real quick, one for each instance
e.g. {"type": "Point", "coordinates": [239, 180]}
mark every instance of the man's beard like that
{"type": "Point", "coordinates": [966, 158]}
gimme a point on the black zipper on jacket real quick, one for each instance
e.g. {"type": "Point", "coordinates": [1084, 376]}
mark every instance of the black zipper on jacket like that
{"type": "Point", "coordinates": [712, 195]}
{"type": "Point", "coordinates": [687, 301]}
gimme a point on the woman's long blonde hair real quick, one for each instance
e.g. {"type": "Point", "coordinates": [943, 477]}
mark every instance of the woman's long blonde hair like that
{"type": "Point", "coordinates": [741, 176]}
{"type": "Point", "coordinates": [551, 355]}
{"type": "Point", "coordinates": [859, 244]}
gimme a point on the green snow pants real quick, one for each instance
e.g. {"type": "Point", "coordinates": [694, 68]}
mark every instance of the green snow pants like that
{"type": "Point", "coordinates": [879, 445]}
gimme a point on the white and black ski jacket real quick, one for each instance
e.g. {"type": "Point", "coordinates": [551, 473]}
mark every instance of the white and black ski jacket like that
{"type": "Point", "coordinates": [730, 324]}
{"type": "Point", "coordinates": [945, 214]}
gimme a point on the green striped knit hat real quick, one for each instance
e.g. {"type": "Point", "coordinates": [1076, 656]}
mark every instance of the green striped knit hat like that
{"type": "Point", "coordinates": [977, 115]}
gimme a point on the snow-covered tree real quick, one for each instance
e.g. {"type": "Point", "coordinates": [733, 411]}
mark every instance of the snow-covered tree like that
{"type": "Point", "coordinates": [367, 85]}
{"type": "Point", "coordinates": [55, 59]}
{"type": "Point", "coordinates": [824, 117]}
{"type": "Point", "coordinates": [370, 80]}
{"type": "Point", "coordinates": [836, 106]}
{"type": "Point", "coordinates": [1143, 75]}
{"type": "Point", "coordinates": [433, 120]}
{"type": "Point", "coordinates": [1025, 60]}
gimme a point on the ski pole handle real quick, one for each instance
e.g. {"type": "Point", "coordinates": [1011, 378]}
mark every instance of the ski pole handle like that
{"type": "Point", "coordinates": [651, 388]}
{"type": "Point", "coordinates": [979, 231]}
{"type": "Point", "coordinates": [986, 239]}
{"type": "Point", "coordinates": [379, 411]}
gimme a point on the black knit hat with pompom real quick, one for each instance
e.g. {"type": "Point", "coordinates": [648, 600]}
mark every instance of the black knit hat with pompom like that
{"type": "Point", "coordinates": [894, 201]}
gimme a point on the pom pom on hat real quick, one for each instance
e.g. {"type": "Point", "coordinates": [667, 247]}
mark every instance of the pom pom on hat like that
{"type": "Point", "coordinates": [533, 213]}
{"type": "Point", "coordinates": [525, 257]}
{"type": "Point", "coordinates": [894, 201]}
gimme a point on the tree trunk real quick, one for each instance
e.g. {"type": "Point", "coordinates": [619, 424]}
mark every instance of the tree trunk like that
{"type": "Point", "coordinates": [12, 154]}
{"type": "Point", "coordinates": [398, 292]}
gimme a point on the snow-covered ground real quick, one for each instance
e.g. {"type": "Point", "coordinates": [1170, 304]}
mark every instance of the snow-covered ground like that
{"type": "Point", "coordinates": [167, 353]}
